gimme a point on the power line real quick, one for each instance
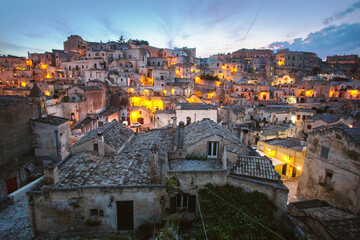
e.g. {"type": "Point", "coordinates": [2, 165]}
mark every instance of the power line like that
{"type": "Point", "coordinates": [244, 214]}
{"type": "Point", "coordinates": [252, 23]}
{"type": "Point", "coordinates": [202, 220]}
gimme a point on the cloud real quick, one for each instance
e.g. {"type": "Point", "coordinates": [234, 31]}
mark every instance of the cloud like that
{"type": "Point", "coordinates": [340, 15]}
{"type": "Point", "coordinates": [328, 41]}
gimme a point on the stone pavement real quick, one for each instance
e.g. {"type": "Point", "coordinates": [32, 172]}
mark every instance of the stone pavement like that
{"type": "Point", "coordinates": [15, 221]}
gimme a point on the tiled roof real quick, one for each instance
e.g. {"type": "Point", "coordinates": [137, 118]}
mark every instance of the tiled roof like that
{"type": "Point", "coordinates": [338, 223]}
{"type": "Point", "coordinates": [131, 167]}
{"type": "Point", "coordinates": [273, 129]}
{"type": "Point", "coordinates": [327, 117]}
{"type": "Point", "coordinates": [354, 133]}
{"type": "Point", "coordinates": [197, 131]}
{"type": "Point", "coordinates": [291, 143]}
{"type": "Point", "coordinates": [83, 123]}
{"type": "Point", "coordinates": [255, 167]}
{"type": "Point", "coordinates": [165, 112]}
{"type": "Point", "coordinates": [194, 106]}
{"type": "Point", "coordinates": [75, 172]}
{"type": "Point", "coordinates": [53, 120]}
{"type": "Point", "coordinates": [115, 134]}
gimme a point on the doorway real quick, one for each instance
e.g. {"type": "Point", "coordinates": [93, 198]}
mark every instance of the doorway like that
{"type": "Point", "coordinates": [125, 215]}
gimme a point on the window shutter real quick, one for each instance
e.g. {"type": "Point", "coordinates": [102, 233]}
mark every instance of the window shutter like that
{"type": "Point", "coordinates": [192, 203]}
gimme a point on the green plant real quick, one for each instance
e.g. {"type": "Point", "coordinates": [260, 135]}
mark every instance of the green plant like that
{"type": "Point", "coordinates": [66, 99]}
{"type": "Point", "coordinates": [172, 185]}
{"type": "Point", "coordinates": [224, 222]}
{"type": "Point", "coordinates": [144, 231]}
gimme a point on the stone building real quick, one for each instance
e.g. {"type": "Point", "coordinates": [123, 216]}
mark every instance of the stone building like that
{"type": "Point", "coordinates": [51, 136]}
{"type": "Point", "coordinates": [325, 119]}
{"type": "Point", "coordinates": [186, 112]}
{"type": "Point", "coordinates": [319, 220]}
{"type": "Point", "coordinates": [16, 145]}
{"type": "Point", "coordinates": [290, 151]}
{"type": "Point", "coordinates": [121, 191]}
{"type": "Point", "coordinates": [332, 170]}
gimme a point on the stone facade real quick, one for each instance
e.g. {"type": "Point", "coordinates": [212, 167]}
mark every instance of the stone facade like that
{"type": "Point", "coordinates": [16, 145]}
{"type": "Point", "coordinates": [332, 170]}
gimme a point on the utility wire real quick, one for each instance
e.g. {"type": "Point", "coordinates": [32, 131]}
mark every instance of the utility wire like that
{"type": "Point", "coordinates": [252, 23]}
{"type": "Point", "coordinates": [202, 220]}
{"type": "Point", "coordinates": [244, 214]}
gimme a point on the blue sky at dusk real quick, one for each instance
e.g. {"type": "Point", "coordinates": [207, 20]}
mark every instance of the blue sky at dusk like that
{"type": "Point", "coordinates": [326, 27]}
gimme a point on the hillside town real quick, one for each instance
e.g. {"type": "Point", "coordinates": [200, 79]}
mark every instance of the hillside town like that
{"type": "Point", "coordinates": [103, 137]}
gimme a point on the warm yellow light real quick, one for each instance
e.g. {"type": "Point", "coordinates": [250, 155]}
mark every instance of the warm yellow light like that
{"type": "Point", "coordinates": [197, 79]}
{"type": "Point", "coordinates": [281, 62]}
{"type": "Point", "coordinates": [269, 150]}
{"type": "Point", "coordinates": [28, 62]}
{"type": "Point", "coordinates": [234, 69]}
{"type": "Point", "coordinates": [47, 93]}
{"type": "Point", "coordinates": [131, 90]}
{"type": "Point", "coordinates": [354, 92]}
{"type": "Point", "coordinates": [23, 84]}
{"type": "Point", "coordinates": [218, 84]}
{"type": "Point", "coordinates": [299, 168]}
{"type": "Point", "coordinates": [293, 119]}
{"type": "Point", "coordinates": [350, 126]}
{"type": "Point", "coordinates": [172, 91]}
{"type": "Point", "coordinates": [309, 93]}
{"type": "Point", "coordinates": [223, 67]}
{"type": "Point", "coordinates": [164, 92]}
{"type": "Point", "coordinates": [48, 75]}
{"type": "Point", "coordinates": [43, 66]}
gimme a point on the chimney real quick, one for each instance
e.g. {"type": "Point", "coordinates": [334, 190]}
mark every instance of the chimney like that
{"type": "Point", "coordinates": [180, 143]}
{"type": "Point", "coordinates": [51, 174]}
{"type": "Point", "coordinates": [174, 122]}
{"type": "Point", "coordinates": [154, 158]}
{"type": "Point", "coordinates": [100, 142]}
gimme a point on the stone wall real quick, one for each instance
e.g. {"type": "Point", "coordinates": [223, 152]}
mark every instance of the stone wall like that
{"type": "Point", "coordinates": [60, 210]}
{"type": "Point", "coordinates": [16, 145]}
{"type": "Point", "coordinates": [343, 188]}
{"type": "Point", "coordinates": [276, 193]}
{"type": "Point", "coordinates": [196, 115]}
{"type": "Point", "coordinates": [46, 137]}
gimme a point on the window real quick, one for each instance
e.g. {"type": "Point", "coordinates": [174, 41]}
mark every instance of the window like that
{"type": "Point", "coordinates": [212, 148]}
{"type": "Point", "coordinates": [309, 126]}
{"type": "Point", "coordinates": [182, 202]}
{"type": "Point", "coordinates": [324, 152]}
{"type": "Point", "coordinates": [297, 117]}
{"type": "Point", "coordinates": [93, 212]}
{"type": "Point", "coordinates": [96, 147]}
{"type": "Point", "coordinates": [328, 177]}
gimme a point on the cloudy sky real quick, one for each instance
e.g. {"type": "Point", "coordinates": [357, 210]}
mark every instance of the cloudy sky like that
{"type": "Point", "coordinates": [326, 27]}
